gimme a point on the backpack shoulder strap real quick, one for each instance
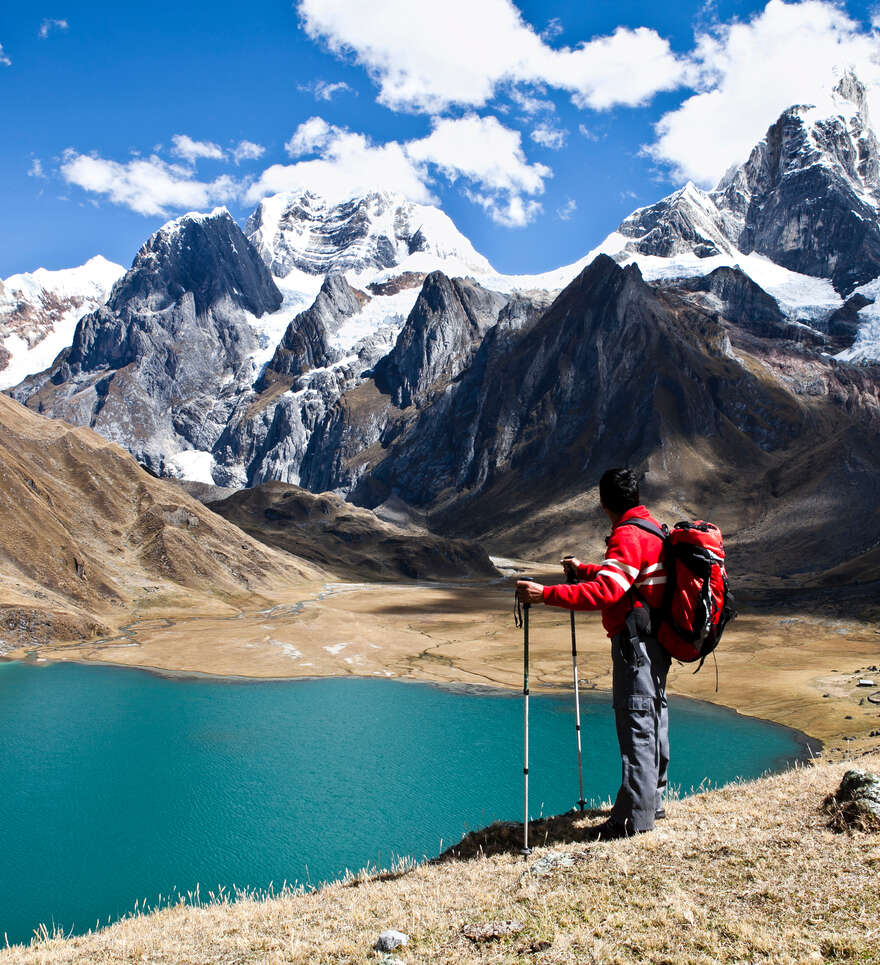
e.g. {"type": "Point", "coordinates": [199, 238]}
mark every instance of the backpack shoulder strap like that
{"type": "Point", "coordinates": [661, 533]}
{"type": "Point", "coordinates": [647, 526]}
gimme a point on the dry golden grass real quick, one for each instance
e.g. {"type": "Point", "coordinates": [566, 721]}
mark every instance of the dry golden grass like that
{"type": "Point", "coordinates": [748, 873]}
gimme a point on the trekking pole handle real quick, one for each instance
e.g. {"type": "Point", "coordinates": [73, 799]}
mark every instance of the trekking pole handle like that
{"type": "Point", "coordinates": [570, 576]}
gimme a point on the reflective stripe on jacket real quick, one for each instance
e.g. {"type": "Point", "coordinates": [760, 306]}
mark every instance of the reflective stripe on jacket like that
{"type": "Point", "coordinates": [632, 558]}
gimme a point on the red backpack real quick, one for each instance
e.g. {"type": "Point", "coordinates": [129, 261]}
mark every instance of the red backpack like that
{"type": "Point", "coordinates": [697, 603]}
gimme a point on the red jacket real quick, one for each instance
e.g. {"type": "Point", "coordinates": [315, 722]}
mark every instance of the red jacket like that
{"type": "Point", "coordinates": [632, 557]}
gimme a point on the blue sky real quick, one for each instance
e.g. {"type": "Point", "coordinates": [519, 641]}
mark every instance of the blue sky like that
{"type": "Point", "coordinates": [534, 125]}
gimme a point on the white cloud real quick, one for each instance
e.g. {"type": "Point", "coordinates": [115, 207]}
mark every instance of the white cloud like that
{"type": "Point", "coordinates": [552, 30]}
{"type": "Point", "coordinates": [149, 186]}
{"type": "Point", "coordinates": [4, 58]}
{"type": "Point", "coordinates": [349, 164]}
{"type": "Point", "coordinates": [324, 90]}
{"type": "Point", "coordinates": [551, 137]}
{"type": "Point", "coordinates": [185, 147]}
{"type": "Point", "coordinates": [47, 26]}
{"type": "Point", "coordinates": [312, 137]}
{"type": "Point", "coordinates": [247, 151]}
{"type": "Point", "coordinates": [748, 72]}
{"type": "Point", "coordinates": [529, 103]}
{"type": "Point", "coordinates": [425, 60]}
{"type": "Point", "coordinates": [567, 210]}
{"type": "Point", "coordinates": [587, 133]}
{"type": "Point", "coordinates": [481, 149]}
{"type": "Point", "coordinates": [36, 169]}
{"type": "Point", "coordinates": [628, 67]}
{"type": "Point", "coordinates": [515, 212]}
{"type": "Point", "coordinates": [486, 157]}
{"type": "Point", "coordinates": [490, 158]}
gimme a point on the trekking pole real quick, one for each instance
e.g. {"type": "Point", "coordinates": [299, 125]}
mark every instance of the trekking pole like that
{"type": "Point", "coordinates": [577, 699]}
{"type": "Point", "coordinates": [521, 619]}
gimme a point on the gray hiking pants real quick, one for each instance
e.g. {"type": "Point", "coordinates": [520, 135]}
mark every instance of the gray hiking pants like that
{"type": "Point", "coordinates": [640, 666]}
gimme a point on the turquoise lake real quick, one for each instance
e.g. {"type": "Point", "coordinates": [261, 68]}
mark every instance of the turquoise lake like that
{"type": "Point", "coordinates": [119, 785]}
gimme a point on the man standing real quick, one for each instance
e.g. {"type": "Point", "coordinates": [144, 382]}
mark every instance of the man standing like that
{"type": "Point", "coordinates": [628, 582]}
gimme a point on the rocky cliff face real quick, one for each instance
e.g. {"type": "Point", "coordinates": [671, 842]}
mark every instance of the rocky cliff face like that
{"type": "Point", "coordinates": [714, 408]}
{"type": "Point", "coordinates": [805, 157]}
{"type": "Point", "coordinates": [734, 296]}
{"type": "Point", "coordinates": [318, 412]}
{"type": "Point", "coordinates": [164, 359]}
{"type": "Point", "coordinates": [306, 341]}
{"type": "Point", "coordinates": [441, 334]}
{"type": "Point", "coordinates": [578, 381]}
{"type": "Point", "coordinates": [688, 221]}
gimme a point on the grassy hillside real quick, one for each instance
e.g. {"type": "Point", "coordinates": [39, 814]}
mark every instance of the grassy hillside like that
{"type": "Point", "coordinates": [88, 540]}
{"type": "Point", "coordinates": [749, 873]}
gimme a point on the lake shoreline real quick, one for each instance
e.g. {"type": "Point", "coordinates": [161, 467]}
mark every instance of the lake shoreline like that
{"type": "Point", "coordinates": [797, 671]}
{"type": "Point", "coordinates": [811, 748]}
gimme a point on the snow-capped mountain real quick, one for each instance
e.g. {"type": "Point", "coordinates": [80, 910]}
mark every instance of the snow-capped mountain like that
{"type": "Point", "coordinates": [39, 311]}
{"type": "Point", "coordinates": [807, 198]}
{"type": "Point", "coordinates": [325, 344]}
{"type": "Point", "coordinates": [159, 367]}
{"type": "Point", "coordinates": [304, 233]}
{"type": "Point", "coordinates": [801, 217]}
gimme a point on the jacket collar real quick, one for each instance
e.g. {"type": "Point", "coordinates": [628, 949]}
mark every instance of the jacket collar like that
{"type": "Point", "coordinates": [637, 512]}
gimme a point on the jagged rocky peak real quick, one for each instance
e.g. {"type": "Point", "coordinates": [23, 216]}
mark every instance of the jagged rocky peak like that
{"type": "Point", "coordinates": [730, 292]}
{"type": "Point", "coordinates": [306, 341]}
{"type": "Point", "coordinates": [603, 281]}
{"type": "Point", "coordinates": [807, 197]}
{"type": "Point", "coordinates": [686, 221]}
{"type": "Point", "coordinates": [206, 255]}
{"type": "Point", "coordinates": [836, 135]}
{"type": "Point", "coordinates": [441, 333]}
{"type": "Point", "coordinates": [736, 295]}
{"type": "Point", "coordinates": [305, 232]}
{"type": "Point", "coordinates": [158, 367]}
{"type": "Point", "coordinates": [195, 265]}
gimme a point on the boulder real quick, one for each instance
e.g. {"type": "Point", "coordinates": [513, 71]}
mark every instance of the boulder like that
{"type": "Point", "coordinates": [855, 806]}
{"type": "Point", "coordinates": [390, 939]}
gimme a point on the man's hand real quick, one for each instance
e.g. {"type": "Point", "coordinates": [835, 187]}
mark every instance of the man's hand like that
{"type": "Point", "coordinates": [529, 592]}
{"type": "Point", "coordinates": [571, 564]}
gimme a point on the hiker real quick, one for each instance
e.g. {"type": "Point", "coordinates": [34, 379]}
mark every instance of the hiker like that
{"type": "Point", "coordinates": [623, 586]}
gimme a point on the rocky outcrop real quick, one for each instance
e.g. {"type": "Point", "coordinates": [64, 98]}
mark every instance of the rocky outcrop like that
{"type": "Point", "coordinates": [855, 806]}
{"type": "Point", "coordinates": [167, 356]}
{"type": "Point", "coordinates": [439, 338]}
{"type": "Point", "coordinates": [306, 342]}
{"type": "Point", "coordinates": [739, 300]}
{"type": "Point", "coordinates": [844, 323]}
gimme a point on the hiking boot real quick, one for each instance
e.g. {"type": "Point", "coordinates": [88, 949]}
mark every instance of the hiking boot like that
{"type": "Point", "coordinates": [611, 831]}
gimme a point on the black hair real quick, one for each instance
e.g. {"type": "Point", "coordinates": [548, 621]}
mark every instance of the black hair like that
{"type": "Point", "coordinates": [619, 490]}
